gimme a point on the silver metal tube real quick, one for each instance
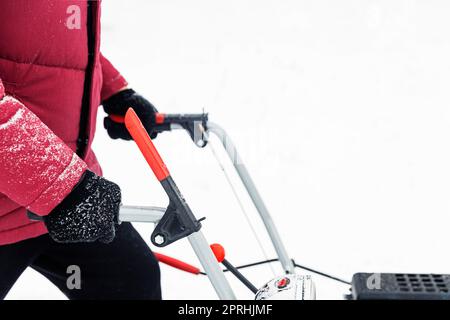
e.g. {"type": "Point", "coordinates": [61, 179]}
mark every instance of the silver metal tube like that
{"type": "Point", "coordinates": [141, 214]}
{"type": "Point", "coordinates": [253, 192]}
{"type": "Point", "coordinates": [211, 266]}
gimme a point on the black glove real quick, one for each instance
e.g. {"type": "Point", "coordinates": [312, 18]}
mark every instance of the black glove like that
{"type": "Point", "coordinates": [119, 103]}
{"type": "Point", "coordinates": [89, 213]}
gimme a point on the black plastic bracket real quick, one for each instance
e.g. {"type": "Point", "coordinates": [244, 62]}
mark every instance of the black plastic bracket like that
{"type": "Point", "coordinates": [196, 132]}
{"type": "Point", "coordinates": [178, 221]}
{"type": "Point", "coordinates": [192, 123]}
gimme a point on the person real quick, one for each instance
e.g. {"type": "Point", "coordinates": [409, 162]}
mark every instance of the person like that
{"type": "Point", "coordinates": [53, 77]}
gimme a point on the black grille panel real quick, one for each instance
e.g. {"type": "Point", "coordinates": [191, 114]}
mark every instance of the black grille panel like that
{"type": "Point", "coordinates": [401, 286]}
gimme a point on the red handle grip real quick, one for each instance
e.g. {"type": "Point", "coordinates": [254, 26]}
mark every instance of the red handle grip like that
{"type": "Point", "coordinates": [145, 144]}
{"type": "Point", "coordinates": [116, 118]}
{"type": "Point", "coordinates": [159, 118]}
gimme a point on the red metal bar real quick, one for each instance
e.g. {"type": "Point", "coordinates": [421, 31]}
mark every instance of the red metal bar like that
{"type": "Point", "coordinates": [175, 263]}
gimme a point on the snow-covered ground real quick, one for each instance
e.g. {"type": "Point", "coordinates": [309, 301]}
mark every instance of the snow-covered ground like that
{"type": "Point", "coordinates": [341, 110]}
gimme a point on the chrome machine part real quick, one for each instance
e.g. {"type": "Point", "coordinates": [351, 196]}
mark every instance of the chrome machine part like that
{"type": "Point", "coordinates": [288, 287]}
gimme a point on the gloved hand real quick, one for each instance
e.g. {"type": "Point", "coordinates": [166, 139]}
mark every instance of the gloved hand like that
{"type": "Point", "coordinates": [89, 213]}
{"type": "Point", "coordinates": [119, 103]}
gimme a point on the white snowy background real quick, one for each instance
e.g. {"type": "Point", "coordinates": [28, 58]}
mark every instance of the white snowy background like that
{"type": "Point", "coordinates": [340, 109]}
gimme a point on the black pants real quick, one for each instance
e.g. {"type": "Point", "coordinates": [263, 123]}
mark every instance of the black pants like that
{"type": "Point", "coordinates": [123, 269]}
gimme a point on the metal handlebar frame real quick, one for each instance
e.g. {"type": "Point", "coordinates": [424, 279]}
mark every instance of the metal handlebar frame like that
{"type": "Point", "coordinates": [197, 239]}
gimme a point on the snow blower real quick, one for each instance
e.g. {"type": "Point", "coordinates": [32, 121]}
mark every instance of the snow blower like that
{"type": "Point", "coordinates": [177, 220]}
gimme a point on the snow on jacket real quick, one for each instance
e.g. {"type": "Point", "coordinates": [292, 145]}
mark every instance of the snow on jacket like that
{"type": "Point", "coordinates": [52, 80]}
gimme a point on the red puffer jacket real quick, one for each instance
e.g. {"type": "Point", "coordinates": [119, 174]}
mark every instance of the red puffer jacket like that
{"type": "Point", "coordinates": [54, 79]}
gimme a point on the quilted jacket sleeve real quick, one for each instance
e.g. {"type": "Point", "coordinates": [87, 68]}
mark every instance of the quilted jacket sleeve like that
{"type": "Point", "coordinates": [113, 81]}
{"type": "Point", "coordinates": [37, 169]}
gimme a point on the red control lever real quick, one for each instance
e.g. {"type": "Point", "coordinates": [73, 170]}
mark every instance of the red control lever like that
{"type": "Point", "coordinates": [175, 263]}
{"type": "Point", "coordinates": [219, 252]}
{"type": "Point", "coordinates": [145, 144]}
